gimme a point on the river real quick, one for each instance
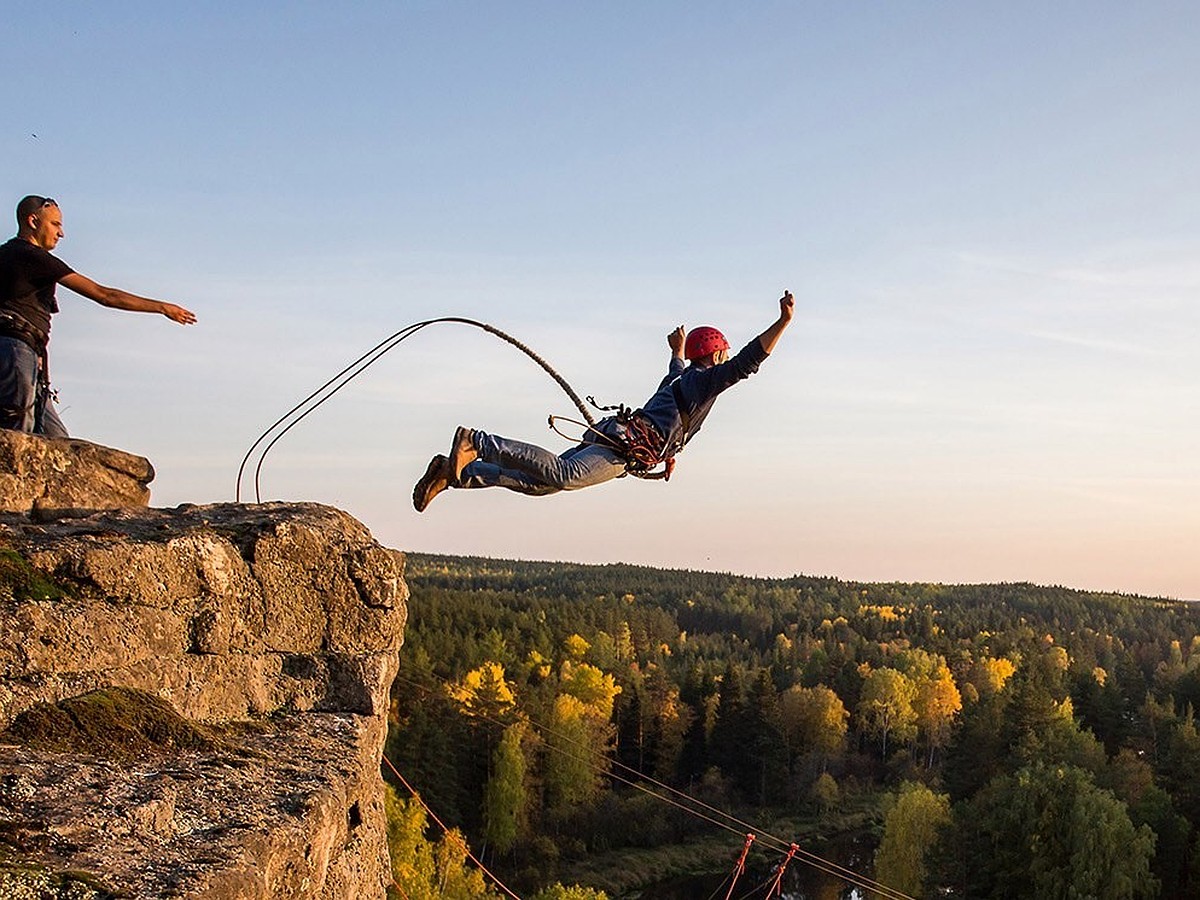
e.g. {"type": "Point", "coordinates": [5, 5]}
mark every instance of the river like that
{"type": "Point", "coordinates": [801, 882]}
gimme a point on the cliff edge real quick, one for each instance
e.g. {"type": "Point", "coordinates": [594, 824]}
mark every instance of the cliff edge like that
{"type": "Point", "coordinates": [193, 702]}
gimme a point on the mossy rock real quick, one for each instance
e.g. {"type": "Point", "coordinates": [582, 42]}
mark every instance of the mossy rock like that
{"type": "Point", "coordinates": [115, 723]}
{"type": "Point", "coordinates": [21, 581]}
{"type": "Point", "coordinates": [19, 882]}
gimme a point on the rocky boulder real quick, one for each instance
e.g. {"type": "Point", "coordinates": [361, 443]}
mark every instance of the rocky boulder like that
{"type": "Point", "coordinates": [273, 629]}
{"type": "Point", "coordinates": [40, 475]}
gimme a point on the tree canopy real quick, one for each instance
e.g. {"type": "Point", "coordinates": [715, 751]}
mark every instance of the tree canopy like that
{"type": "Point", "coordinates": [525, 688]}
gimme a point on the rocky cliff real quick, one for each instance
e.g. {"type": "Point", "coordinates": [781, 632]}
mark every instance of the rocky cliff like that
{"type": "Point", "coordinates": [193, 702]}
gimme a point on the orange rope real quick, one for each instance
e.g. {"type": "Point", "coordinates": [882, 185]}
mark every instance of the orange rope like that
{"type": "Point", "coordinates": [777, 887]}
{"type": "Point", "coordinates": [740, 866]}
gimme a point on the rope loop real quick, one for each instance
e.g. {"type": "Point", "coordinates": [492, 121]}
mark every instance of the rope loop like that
{"type": "Point", "coordinates": [309, 404]}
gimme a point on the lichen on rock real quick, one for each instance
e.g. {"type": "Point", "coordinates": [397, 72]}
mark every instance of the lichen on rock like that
{"type": "Point", "coordinates": [35, 883]}
{"type": "Point", "coordinates": [112, 723]}
{"type": "Point", "coordinates": [21, 581]}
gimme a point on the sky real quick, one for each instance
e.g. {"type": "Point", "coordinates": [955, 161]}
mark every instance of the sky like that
{"type": "Point", "coordinates": [987, 213]}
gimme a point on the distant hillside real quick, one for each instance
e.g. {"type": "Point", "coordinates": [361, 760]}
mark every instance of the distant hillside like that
{"type": "Point", "coordinates": [533, 691]}
{"type": "Point", "coordinates": [723, 614]}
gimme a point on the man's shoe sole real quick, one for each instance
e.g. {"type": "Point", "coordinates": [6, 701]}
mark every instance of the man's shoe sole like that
{"type": "Point", "coordinates": [427, 488]}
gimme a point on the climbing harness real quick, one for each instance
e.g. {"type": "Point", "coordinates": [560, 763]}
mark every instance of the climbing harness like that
{"type": "Point", "coordinates": [17, 326]}
{"type": "Point", "coordinates": [645, 448]}
{"type": "Point", "coordinates": [635, 438]}
{"type": "Point", "coordinates": [640, 444]}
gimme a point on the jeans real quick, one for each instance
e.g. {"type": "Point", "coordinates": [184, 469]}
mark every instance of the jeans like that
{"type": "Point", "coordinates": [529, 469]}
{"type": "Point", "coordinates": [24, 404]}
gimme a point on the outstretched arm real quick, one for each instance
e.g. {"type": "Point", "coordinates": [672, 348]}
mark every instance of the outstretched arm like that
{"type": "Point", "coordinates": [787, 308]}
{"type": "Point", "coordinates": [675, 341]}
{"type": "Point", "coordinates": [118, 299]}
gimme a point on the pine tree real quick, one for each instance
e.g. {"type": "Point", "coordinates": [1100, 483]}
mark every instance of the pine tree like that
{"type": "Point", "coordinates": [725, 742]}
{"type": "Point", "coordinates": [766, 757]}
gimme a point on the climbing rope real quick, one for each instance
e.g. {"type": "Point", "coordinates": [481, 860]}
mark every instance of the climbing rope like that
{"type": "Point", "coordinates": [739, 867]}
{"type": "Point", "coordinates": [777, 888]}
{"type": "Point", "coordinates": [309, 404]}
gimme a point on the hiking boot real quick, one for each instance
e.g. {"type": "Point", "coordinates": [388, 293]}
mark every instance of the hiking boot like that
{"type": "Point", "coordinates": [462, 453]}
{"type": "Point", "coordinates": [435, 480]}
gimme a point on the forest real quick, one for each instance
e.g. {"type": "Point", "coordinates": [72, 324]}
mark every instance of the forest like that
{"type": "Point", "coordinates": [611, 727]}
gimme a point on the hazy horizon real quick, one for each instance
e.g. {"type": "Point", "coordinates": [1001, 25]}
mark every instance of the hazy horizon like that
{"type": "Point", "coordinates": [798, 574]}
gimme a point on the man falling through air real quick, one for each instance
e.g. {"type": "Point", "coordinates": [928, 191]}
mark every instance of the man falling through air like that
{"type": "Point", "coordinates": [652, 434]}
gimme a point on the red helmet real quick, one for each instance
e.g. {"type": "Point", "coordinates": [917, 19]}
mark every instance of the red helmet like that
{"type": "Point", "coordinates": [703, 341]}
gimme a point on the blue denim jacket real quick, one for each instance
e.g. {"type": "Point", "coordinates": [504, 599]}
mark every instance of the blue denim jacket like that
{"type": "Point", "coordinates": [697, 390]}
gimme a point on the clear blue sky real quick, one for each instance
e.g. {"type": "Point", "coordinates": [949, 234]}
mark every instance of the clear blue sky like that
{"type": "Point", "coordinates": [987, 211]}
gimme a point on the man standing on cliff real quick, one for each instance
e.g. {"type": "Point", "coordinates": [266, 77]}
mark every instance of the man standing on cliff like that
{"type": "Point", "coordinates": [618, 444]}
{"type": "Point", "coordinates": [29, 273]}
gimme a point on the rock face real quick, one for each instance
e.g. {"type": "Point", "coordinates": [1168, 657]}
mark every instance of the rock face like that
{"type": "Point", "coordinates": [275, 626]}
{"type": "Point", "coordinates": [37, 474]}
{"type": "Point", "coordinates": [226, 611]}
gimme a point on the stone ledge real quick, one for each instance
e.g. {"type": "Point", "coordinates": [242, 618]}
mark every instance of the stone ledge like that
{"type": "Point", "coordinates": [227, 611]}
{"type": "Point", "coordinates": [39, 475]}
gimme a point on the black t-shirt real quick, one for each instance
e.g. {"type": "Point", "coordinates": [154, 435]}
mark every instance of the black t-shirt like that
{"type": "Point", "coordinates": [28, 276]}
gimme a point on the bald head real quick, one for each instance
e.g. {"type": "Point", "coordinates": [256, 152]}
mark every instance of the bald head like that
{"type": "Point", "coordinates": [39, 221]}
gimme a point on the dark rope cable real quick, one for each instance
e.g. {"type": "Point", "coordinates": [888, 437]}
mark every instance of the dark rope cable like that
{"type": "Point", "coordinates": [717, 890]}
{"type": "Point", "coordinates": [284, 417]}
{"type": "Point", "coordinates": [777, 887]}
{"type": "Point", "coordinates": [751, 891]}
{"type": "Point", "coordinates": [358, 366]}
{"type": "Point", "coordinates": [377, 354]}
